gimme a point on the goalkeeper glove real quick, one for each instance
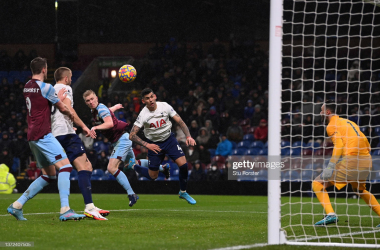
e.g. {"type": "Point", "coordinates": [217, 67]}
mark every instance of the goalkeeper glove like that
{"type": "Point", "coordinates": [328, 171]}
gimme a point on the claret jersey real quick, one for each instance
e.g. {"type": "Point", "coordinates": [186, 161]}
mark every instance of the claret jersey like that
{"type": "Point", "coordinates": [113, 134]}
{"type": "Point", "coordinates": [39, 97]}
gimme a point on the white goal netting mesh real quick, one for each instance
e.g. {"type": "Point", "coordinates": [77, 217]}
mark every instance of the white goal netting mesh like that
{"type": "Point", "coordinates": [331, 51]}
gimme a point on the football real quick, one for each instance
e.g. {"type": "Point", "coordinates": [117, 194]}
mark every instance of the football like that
{"type": "Point", "coordinates": [127, 73]}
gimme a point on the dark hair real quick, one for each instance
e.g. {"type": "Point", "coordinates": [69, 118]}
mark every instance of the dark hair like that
{"type": "Point", "coordinates": [145, 92]}
{"type": "Point", "coordinates": [37, 64]}
{"type": "Point", "coordinates": [331, 105]}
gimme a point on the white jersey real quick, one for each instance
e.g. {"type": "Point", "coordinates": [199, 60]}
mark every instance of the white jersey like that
{"type": "Point", "coordinates": [157, 125]}
{"type": "Point", "coordinates": [60, 123]}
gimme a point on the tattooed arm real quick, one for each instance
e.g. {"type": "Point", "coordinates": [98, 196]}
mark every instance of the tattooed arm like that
{"type": "Point", "coordinates": [185, 129]}
{"type": "Point", "coordinates": [133, 137]}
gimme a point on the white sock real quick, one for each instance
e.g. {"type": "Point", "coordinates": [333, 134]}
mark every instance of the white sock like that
{"type": "Point", "coordinates": [331, 214]}
{"type": "Point", "coordinates": [17, 205]}
{"type": "Point", "coordinates": [161, 168]}
{"type": "Point", "coordinates": [183, 191]}
{"type": "Point", "coordinates": [90, 206]}
{"type": "Point", "coordinates": [64, 209]}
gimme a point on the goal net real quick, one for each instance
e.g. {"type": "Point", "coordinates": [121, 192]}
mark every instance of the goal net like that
{"type": "Point", "coordinates": [330, 51]}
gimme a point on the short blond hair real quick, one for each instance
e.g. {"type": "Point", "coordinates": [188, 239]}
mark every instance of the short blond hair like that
{"type": "Point", "coordinates": [60, 73]}
{"type": "Point", "coordinates": [87, 93]}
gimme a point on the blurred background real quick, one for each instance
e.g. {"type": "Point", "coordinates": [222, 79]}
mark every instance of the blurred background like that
{"type": "Point", "coordinates": [208, 59]}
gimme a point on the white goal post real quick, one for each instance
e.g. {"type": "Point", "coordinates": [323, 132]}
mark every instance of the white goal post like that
{"type": "Point", "coordinates": [274, 121]}
{"type": "Point", "coordinates": [321, 50]}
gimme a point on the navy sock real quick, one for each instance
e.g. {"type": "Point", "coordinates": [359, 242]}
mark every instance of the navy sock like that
{"type": "Point", "coordinates": [84, 182]}
{"type": "Point", "coordinates": [183, 173]}
{"type": "Point", "coordinates": [143, 171]}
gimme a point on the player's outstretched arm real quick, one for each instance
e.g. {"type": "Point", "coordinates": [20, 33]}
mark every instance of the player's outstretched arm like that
{"type": "Point", "coordinates": [64, 110]}
{"type": "Point", "coordinates": [78, 121]}
{"type": "Point", "coordinates": [116, 107]}
{"type": "Point", "coordinates": [62, 94]}
{"type": "Point", "coordinates": [185, 129]}
{"type": "Point", "coordinates": [133, 137]}
{"type": "Point", "coordinates": [108, 123]}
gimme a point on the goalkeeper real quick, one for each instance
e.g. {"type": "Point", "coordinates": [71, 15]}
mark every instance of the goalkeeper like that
{"type": "Point", "coordinates": [352, 145]}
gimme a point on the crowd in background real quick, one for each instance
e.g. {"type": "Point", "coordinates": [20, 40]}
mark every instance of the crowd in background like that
{"type": "Point", "coordinates": [221, 93]}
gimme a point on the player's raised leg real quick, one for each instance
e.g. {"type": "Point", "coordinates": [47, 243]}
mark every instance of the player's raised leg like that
{"type": "Point", "coordinates": [144, 163]}
{"type": "Point", "coordinates": [122, 148]}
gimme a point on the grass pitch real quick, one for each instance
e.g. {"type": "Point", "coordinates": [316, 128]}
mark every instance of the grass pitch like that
{"type": "Point", "coordinates": [155, 222]}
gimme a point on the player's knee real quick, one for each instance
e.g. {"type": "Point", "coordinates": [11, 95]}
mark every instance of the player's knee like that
{"type": "Point", "coordinates": [52, 178]}
{"type": "Point", "coordinates": [153, 174]}
{"type": "Point", "coordinates": [357, 191]}
{"type": "Point", "coordinates": [111, 169]}
{"type": "Point", "coordinates": [88, 165]}
{"type": "Point", "coordinates": [66, 168]}
{"type": "Point", "coordinates": [317, 186]}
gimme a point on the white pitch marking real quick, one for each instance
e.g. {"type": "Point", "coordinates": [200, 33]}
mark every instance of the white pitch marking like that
{"type": "Point", "coordinates": [242, 247]}
{"type": "Point", "coordinates": [335, 235]}
{"type": "Point", "coordinates": [169, 210]}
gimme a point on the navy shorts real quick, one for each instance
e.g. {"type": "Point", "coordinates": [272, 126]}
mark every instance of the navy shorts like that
{"type": "Point", "coordinates": [168, 147]}
{"type": "Point", "coordinates": [72, 145]}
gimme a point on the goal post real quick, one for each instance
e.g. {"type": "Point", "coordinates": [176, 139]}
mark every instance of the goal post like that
{"type": "Point", "coordinates": [321, 50]}
{"type": "Point", "coordinates": [274, 121]}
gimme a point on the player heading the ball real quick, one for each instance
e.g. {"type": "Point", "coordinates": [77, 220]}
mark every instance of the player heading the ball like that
{"type": "Point", "coordinates": [114, 130]}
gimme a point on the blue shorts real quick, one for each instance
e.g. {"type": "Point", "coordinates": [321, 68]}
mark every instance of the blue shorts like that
{"type": "Point", "coordinates": [47, 151]}
{"type": "Point", "coordinates": [72, 145]}
{"type": "Point", "coordinates": [122, 149]}
{"type": "Point", "coordinates": [168, 147]}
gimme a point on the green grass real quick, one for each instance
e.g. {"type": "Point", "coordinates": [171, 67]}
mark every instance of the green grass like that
{"type": "Point", "coordinates": [155, 222]}
{"type": "Point", "coordinates": [299, 215]}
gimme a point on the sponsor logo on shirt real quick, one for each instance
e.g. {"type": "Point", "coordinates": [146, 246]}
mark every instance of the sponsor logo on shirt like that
{"type": "Point", "coordinates": [157, 124]}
